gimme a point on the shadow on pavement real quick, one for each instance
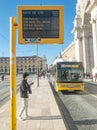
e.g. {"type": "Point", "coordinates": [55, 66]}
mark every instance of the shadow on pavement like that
{"type": "Point", "coordinates": [45, 118]}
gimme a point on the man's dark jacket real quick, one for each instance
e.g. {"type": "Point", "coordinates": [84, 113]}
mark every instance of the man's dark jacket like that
{"type": "Point", "coordinates": [25, 89]}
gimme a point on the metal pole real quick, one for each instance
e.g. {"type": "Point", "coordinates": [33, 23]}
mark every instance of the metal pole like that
{"type": "Point", "coordinates": [13, 27]}
{"type": "Point", "coordinates": [37, 68]}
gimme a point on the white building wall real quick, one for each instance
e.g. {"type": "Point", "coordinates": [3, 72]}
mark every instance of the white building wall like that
{"type": "Point", "coordinates": [92, 9]}
{"type": "Point", "coordinates": [83, 38]}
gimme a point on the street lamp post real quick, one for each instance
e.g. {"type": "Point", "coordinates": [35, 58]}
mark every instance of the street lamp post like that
{"type": "Point", "coordinates": [37, 41]}
{"type": "Point", "coordinates": [37, 68]}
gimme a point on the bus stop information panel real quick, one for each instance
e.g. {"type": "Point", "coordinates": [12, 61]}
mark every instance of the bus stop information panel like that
{"type": "Point", "coordinates": [41, 22]}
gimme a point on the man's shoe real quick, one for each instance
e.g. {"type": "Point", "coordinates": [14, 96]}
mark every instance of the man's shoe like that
{"type": "Point", "coordinates": [20, 118]}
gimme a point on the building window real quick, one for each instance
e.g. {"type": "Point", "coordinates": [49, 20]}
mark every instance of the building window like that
{"type": "Point", "coordinates": [5, 70]}
{"type": "Point", "coordinates": [17, 70]}
{"type": "Point", "coordinates": [29, 69]}
{"type": "Point", "coordinates": [21, 69]}
{"type": "Point", "coordinates": [1, 70]}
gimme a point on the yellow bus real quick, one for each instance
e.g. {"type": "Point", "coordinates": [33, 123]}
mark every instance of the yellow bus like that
{"type": "Point", "coordinates": [68, 76]}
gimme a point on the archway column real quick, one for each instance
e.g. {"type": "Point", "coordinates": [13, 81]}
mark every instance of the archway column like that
{"type": "Point", "coordinates": [94, 30]}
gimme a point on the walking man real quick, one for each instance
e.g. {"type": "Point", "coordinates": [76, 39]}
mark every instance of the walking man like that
{"type": "Point", "coordinates": [25, 90]}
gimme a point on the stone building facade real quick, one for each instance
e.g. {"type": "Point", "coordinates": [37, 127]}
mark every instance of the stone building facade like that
{"type": "Point", "coordinates": [24, 64]}
{"type": "Point", "coordinates": [85, 35]}
{"type": "Point", "coordinates": [69, 52]}
{"type": "Point", "coordinates": [92, 10]}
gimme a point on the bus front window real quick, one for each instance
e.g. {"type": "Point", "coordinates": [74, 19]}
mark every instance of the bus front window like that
{"type": "Point", "coordinates": [69, 74]}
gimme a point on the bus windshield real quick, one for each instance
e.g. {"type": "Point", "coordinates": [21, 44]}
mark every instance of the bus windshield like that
{"type": "Point", "coordinates": [69, 74]}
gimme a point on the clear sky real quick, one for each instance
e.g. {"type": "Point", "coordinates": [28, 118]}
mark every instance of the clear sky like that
{"type": "Point", "coordinates": [9, 8]}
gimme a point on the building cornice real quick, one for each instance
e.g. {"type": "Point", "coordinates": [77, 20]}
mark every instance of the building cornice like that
{"type": "Point", "coordinates": [76, 29]}
{"type": "Point", "coordinates": [92, 4]}
{"type": "Point", "coordinates": [86, 26]}
{"type": "Point", "coordinates": [33, 57]}
{"type": "Point", "coordinates": [70, 46]}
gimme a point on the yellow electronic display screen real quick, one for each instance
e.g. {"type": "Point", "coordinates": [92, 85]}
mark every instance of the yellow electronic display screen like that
{"type": "Point", "coordinates": [44, 22]}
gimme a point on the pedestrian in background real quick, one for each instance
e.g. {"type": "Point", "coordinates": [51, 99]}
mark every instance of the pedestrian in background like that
{"type": "Point", "coordinates": [2, 77]}
{"type": "Point", "coordinates": [25, 90]}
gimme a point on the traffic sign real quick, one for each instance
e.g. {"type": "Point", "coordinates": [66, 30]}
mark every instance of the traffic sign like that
{"type": "Point", "coordinates": [44, 22]}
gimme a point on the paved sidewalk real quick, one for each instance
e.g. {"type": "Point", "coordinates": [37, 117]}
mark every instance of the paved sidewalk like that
{"type": "Point", "coordinates": [90, 81]}
{"type": "Point", "coordinates": [42, 108]}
